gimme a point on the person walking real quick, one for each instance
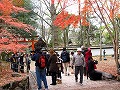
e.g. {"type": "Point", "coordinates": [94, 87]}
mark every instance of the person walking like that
{"type": "Point", "coordinates": [71, 61]}
{"type": "Point", "coordinates": [66, 61]}
{"type": "Point", "coordinates": [40, 72]}
{"type": "Point", "coordinates": [53, 68]}
{"type": "Point", "coordinates": [79, 62]}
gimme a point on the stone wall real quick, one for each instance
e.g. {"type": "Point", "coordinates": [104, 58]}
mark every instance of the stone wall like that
{"type": "Point", "coordinates": [17, 85]}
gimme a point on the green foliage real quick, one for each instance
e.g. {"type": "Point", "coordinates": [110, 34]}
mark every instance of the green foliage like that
{"type": "Point", "coordinates": [107, 37]}
{"type": "Point", "coordinates": [21, 32]}
{"type": "Point", "coordinates": [27, 18]}
{"type": "Point", "coordinates": [87, 34]}
{"type": "Point", "coordinates": [60, 39]}
{"type": "Point", "coordinates": [97, 38]}
{"type": "Point", "coordinates": [5, 55]}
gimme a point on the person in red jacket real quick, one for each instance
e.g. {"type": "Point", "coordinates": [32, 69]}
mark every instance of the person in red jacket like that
{"type": "Point", "coordinates": [87, 53]}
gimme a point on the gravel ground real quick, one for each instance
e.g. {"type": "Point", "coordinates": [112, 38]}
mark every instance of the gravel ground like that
{"type": "Point", "coordinates": [68, 83]}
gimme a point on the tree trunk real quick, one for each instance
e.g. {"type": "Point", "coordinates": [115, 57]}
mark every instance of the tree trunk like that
{"type": "Point", "coordinates": [64, 38]}
{"type": "Point", "coordinates": [116, 47]}
{"type": "Point", "coordinates": [84, 34]}
{"type": "Point", "coordinates": [88, 35]}
{"type": "Point", "coordinates": [54, 28]}
{"type": "Point", "coordinates": [67, 36]}
{"type": "Point", "coordinates": [100, 45]}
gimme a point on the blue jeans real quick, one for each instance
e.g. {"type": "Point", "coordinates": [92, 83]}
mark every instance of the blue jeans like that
{"type": "Point", "coordinates": [41, 76]}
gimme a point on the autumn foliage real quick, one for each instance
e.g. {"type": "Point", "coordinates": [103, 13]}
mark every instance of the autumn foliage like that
{"type": "Point", "coordinates": [19, 3]}
{"type": "Point", "coordinates": [108, 9]}
{"type": "Point", "coordinates": [6, 8]}
{"type": "Point", "coordinates": [7, 39]}
{"type": "Point", "coordinates": [64, 19]}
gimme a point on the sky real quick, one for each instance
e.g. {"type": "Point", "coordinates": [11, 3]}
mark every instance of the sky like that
{"type": "Point", "coordinates": [71, 9]}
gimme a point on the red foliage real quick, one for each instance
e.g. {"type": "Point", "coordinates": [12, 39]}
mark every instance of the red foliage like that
{"type": "Point", "coordinates": [3, 40]}
{"type": "Point", "coordinates": [6, 8]}
{"type": "Point", "coordinates": [64, 19]}
{"type": "Point", "coordinates": [18, 9]}
{"type": "Point", "coordinates": [85, 22]}
{"type": "Point", "coordinates": [4, 33]}
{"type": "Point", "coordinates": [52, 1]}
{"type": "Point", "coordinates": [14, 22]}
{"type": "Point", "coordinates": [7, 43]}
{"type": "Point", "coordinates": [13, 47]}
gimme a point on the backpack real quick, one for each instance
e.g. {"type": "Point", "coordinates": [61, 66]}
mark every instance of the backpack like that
{"type": "Point", "coordinates": [41, 62]}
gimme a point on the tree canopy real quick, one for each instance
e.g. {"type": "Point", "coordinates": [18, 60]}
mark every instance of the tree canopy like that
{"type": "Point", "coordinates": [7, 24]}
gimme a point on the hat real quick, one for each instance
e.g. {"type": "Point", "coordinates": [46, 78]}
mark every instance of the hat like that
{"type": "Point", "coordinates": [82, 47]}
{"type": "Point", "coordinates": [79, 49]}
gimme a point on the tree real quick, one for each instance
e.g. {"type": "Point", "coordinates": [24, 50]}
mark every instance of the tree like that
{"type": "Point", "coordinates": [28, 18]}
{"type": "Point", "coordinates": [8, 23]}
{"type": "Point", "coordinates": [108, 13]}
{"type": "Point", "coordinates": [47, 13]}
{"type": "Point", "coordinates": [64, 19]}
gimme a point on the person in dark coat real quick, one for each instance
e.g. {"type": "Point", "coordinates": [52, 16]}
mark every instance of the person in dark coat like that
{"type": "Point", "coordinates": [65, 56]}
{"type": "Point", "coordinates": [53, 68]}
{"type": "Point", "coordinates": [93, 74]}
{"type": "Point", "coordinates": [21, 63]}
{"type": "Point", "coordinates": [16, 59]}
{"type": "Point", "coordinates": [12, 60]}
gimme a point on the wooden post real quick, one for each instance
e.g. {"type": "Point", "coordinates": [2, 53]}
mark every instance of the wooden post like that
{"type": "Point", "coordinates": [33, 47]}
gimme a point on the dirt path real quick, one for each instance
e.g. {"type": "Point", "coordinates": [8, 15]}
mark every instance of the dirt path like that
{"type": "Point", "coordinates": [68, 83]}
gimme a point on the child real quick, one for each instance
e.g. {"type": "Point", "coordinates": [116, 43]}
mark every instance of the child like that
{"type": "Point", "coordinates": [60, 69]}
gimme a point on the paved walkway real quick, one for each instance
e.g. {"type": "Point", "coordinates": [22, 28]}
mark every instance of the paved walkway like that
{"type": "Point", "coordinates": [68, 83]}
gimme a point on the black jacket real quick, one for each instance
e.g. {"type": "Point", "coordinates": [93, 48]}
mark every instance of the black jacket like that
{"type": "Point", "coordinates": [65, 56]}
